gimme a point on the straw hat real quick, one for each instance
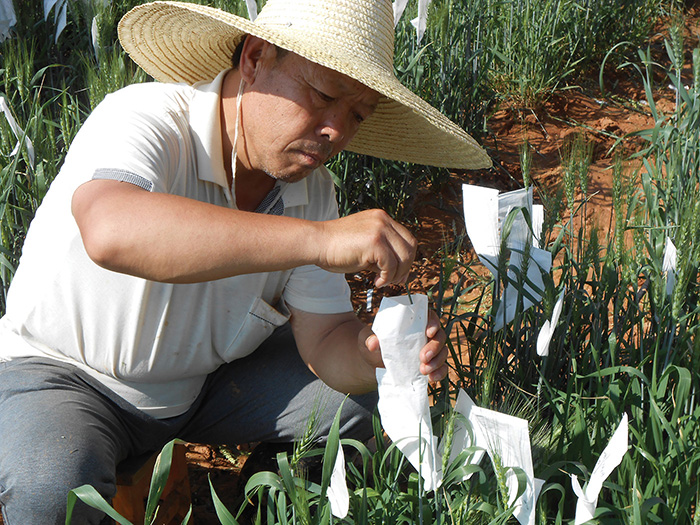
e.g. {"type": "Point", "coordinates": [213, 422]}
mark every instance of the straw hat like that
{"type": "Point", "coordinates": [184, 42]}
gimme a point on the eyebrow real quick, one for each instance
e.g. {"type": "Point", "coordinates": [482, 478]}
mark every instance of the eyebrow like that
{"type": "Point", "coordinates": [374, 106]}
{"type": "Point", "coordinates": [343, 90]}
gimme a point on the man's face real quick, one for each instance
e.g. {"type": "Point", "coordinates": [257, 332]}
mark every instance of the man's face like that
{"type": "Point", "coordinates": [296, 114]}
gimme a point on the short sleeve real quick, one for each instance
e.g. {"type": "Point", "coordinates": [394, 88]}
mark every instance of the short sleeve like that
{"type": "Point", "coordinates": [132, 136]}
{"type": "Point", "coordinates": [314, 290]}
{"type": "Point", "coordinates": [310, 288]}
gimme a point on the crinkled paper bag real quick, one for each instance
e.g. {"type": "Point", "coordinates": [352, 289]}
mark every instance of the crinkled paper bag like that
{"type": "Point", "coordinates": [404, 406]}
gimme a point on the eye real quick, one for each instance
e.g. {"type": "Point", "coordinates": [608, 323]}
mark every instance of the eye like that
{"type": "Point", "coordinates": [323, 96]}
{"type": "Point", "coordinates": [359, 118]}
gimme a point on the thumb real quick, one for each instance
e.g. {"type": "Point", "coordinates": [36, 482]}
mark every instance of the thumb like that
{"type": "Point", "coordinates": [372, 343]}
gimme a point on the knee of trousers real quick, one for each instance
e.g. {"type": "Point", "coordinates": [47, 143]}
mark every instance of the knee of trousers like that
{"type": "Point", "coordinates": [36, 492]}
{"type": "Point", "coordinates": [356, 418]}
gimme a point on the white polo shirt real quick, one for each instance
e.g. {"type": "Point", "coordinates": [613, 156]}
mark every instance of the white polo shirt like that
{"type": "Point", "coordinates": [154, 343]}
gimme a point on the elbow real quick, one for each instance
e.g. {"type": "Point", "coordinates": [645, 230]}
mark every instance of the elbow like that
{"type": "Point", "coordinates": [98, 233]}
{"type": "Point", "coordinates": [102, 254]}
{"type": "Point", "coordinates": [100, 245]}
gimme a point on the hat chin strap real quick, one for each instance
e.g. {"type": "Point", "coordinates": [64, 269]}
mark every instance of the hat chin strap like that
{"type": "Point", "coordinates": [234, 154]}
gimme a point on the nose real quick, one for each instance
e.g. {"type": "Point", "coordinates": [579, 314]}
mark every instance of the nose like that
{"type": "Point", "coordinates": [333, 127]}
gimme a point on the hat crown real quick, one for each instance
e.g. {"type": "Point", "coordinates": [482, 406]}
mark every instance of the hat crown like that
{"type": "Point", "coordinates": [363, 28]}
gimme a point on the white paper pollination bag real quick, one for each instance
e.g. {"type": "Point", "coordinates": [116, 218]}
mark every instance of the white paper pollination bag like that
{"type": "Point", "coordinates": [404, 406]}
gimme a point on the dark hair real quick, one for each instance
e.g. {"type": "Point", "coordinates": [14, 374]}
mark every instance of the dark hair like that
{"type": "Point", "coordinates": [236, 57]}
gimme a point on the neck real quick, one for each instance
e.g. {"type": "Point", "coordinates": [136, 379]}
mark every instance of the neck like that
{"type": "Point", "coordinates": [251, 186]}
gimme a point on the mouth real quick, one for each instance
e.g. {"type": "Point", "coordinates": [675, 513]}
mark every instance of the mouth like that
{"type": "Point", "coordinates": [314, 154]}
{"type": "Point", "coordinates": [310, 158]}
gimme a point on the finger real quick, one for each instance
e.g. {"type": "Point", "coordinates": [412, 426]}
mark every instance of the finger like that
{"type": "Point", "coordinates": [395, 257]}
{"type": "Point", "coordinates": [436, 342]}
{"type": "Point", "coordinates": [372, 343]}
{"type": "Point", "coordinates": [386, 269]}
{"type": "Point", "coordinates": [405, 247]}
{"type": "Point", "coordinates": [439, 374]}
{"type": "Point", "coordinates": [433, 354]}
{"type": "Point", "coordinates": [436, 366]}
{"type": "Point", "coordinates": [369, 347]}
{"type": "Point", "coordinates": [405, 234]}
{"type": "Point", "coordinates": [434, 329]}
{"type": "Point", "coordinates": [375, 356]}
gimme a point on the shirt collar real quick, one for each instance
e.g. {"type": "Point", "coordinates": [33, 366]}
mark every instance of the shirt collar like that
{"type": "Point", "coordinates": [295, 194]}
{"type": "Point", "coordinates": [205, 123]}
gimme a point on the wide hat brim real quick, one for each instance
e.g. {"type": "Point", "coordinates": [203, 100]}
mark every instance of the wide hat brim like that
{"type": "Point", "coordinates": [183, 42]}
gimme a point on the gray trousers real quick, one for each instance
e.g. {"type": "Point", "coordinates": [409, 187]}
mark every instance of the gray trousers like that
{"type": "Point", "coordinates": [60, 429]}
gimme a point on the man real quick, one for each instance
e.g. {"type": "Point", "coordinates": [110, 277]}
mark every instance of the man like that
{"type": "Point", "coordinates": [190, 228]}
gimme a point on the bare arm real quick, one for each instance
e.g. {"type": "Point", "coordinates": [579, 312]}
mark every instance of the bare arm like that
{"type": "Point", "coordinates": [175, 239]}
{"type": "Point", "coordinates": [343, 352]}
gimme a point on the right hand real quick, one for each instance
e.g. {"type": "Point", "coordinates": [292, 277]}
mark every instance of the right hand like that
{"type": "Point", "coordinates": [369, 240]}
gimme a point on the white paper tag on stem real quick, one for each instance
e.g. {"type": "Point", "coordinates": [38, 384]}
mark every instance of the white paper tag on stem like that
{"type": "Point", "coordinates": [481, 219]}
{"type": "Point", "coordinates": [547, 330]}
{"type": "Point", "coordinates": [252, 9]}
{"type": "Point", "coordinates": [608, 460]}
{"type": "Point", "coordinates": [18, 132]}
{"type": "Point", "coordinates": [461, 438]}
{"type": "Point", "coordinates": [539, 263]}
{"type": "Point", "coordinates": [669, 265]}
{"type": "Point", "coordinates": [507, 440]}
{"type": "Point", "coordinates": [537, 223]}
{"type": "Point", "coordinates": [338, 495]}
{"type": "Point", "coordinates": [8, 18]}
{"type": "Point", "coordinates": [399, 6]}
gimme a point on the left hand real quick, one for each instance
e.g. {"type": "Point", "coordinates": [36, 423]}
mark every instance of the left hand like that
{"type": "Point", "coordinates": [433, 356]}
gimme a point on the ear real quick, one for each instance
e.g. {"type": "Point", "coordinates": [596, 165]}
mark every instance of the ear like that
{"type": "Point", "coordinates": [256, 52]}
